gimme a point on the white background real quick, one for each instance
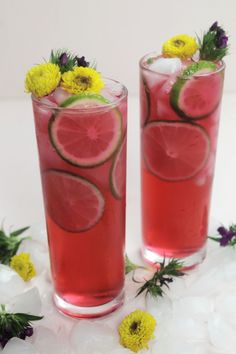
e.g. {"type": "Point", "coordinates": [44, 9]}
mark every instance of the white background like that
{"type": "Point", "coordinates": [115, 32]}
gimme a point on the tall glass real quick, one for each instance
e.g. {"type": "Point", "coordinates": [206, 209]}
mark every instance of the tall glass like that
{"type": "Point", "coordinates": [82, 154]}
{"type": "Point", "coordinates": [179, 126]}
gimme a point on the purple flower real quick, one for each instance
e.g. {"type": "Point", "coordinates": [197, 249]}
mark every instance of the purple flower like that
{"type": "Point", "coordinates": [82, 62]}
{"type": "Point", "coordinates": [221, 41]}
{"type": "Point", "coordinates": [29, 331]}
{"type": "Point", "coordinates": [226, 235]}
{"type": "Point", "coordinates": [214, 27]}
{"type": "Point", "coordinates": [63, 59]}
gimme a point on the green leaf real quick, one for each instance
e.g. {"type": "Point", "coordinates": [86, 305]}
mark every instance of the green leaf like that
{"type": "Point", "coordinates": [129, 266]}
{"type": "Point", "coordinates": [19, 231]}
{"type": "Point", "coordinates": [9, 245]}
{"type": "Point", "coordinates": [26, 317]}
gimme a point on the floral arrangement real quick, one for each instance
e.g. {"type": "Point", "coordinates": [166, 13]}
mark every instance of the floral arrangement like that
{"type": "Point", "coordinates": [72, 73]}
{"type": "Point", "coordinates": [213, 46]}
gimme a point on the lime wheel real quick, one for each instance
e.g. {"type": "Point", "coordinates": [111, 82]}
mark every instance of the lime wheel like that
{"type": "Point", "coordinates": [197, 93]}
{"type": "Point", "coordinates": [74, 203]}
{"type": "Point", "coordinates": [175, 151]}
{"type": "Point", "coordinates": [118, 172]}
{"type": "Point", "coordinates": [86, 137]}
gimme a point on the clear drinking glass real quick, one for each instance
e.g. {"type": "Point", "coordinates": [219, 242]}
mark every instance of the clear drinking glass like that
{"type": "Point", "coordinates": [82, 154]}
{"type": "Point", "coordinates": [179, 127]}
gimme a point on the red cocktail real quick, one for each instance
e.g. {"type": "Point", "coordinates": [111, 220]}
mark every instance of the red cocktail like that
{"type": "Point", "coordinates": [82, 152]}
{"type": "Point", "coordinates": [179, 123]}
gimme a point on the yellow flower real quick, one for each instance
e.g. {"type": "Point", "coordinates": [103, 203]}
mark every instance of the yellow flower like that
{"type": "Point", "coordinates": [42, 79]}
{"type": "Point", "coordinates": [136, 330]}
{"type": "Point", "coordinates": [23, 265]}
{"type": "Point", "coordinates": [82, 79]}
{"type": "Point", "coordinates": [181, 46]}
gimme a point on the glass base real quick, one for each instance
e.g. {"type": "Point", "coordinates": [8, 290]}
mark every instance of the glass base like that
{"type": "Point", "coordinates": [88, 312]}
{"type": "Point", "coordinates": [190, 261]}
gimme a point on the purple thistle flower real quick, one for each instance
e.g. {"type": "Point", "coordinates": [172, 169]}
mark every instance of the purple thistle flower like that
{"type": "Point", "coordinates": [63, 59]}
{"type": "Point", "coordinates": [221, 41]}
{"type": "Point", "coordinates": [222, 231]}
{"type": "Point", "coordinates": [226, 235]}
{"type": "Point", "coordinates": [82, 62]}
{"type": "Point", "coordinates": [29, 331]}
{"type": "Point", "coordinates": [214, 27]}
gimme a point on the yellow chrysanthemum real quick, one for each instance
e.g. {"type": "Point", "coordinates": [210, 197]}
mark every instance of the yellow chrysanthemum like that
{"type": "Point", "coordinates": [136, 330]}
{"type": "Point", "coordinates": [42, 79]}
{"type": "Point", "coordinates": [181, 46]}
{"type": "Point", "coordinates": [82, 79]}
{"type": "Point", "coordinates": [23, 265]}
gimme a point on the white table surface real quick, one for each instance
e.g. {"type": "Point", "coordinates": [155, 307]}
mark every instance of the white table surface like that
{"type": "Point", "coordinates": [20, 189]}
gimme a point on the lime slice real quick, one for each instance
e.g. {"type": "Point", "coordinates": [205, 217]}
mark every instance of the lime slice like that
{"type": "Point", "coordinates": [88, 137]}
{"type": "Point", "coordinates": [175, 151]}
{"type": "Point", "coordinates": [118, 172]}
{"type": "Point", "coordinates": [196, 94]}
{"type": "Point", "coordinates": [145, 101]}
{"type": "Point", "coordinates": [74, 203]}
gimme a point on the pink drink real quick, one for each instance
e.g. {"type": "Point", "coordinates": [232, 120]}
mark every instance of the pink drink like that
{"type": "Point", "coordinates": [179, 126]}
{"type": "Point", "coordinates": [82, 151]}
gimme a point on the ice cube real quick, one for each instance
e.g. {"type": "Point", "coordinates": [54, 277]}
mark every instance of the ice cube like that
{"type": "Point", "coordinates": [177, 346]}
{"type": "Point", "coordinates": [28, 302]}
{"type": "Point", "coordinates": [160, 307]}
{"type": "Point", "coordinates": [166, 66]}
{"type": "Point", "coordinates": [19, 346]}
{"type": "Point", "coordinates": [207, 283]}
{"type": "Point", "coordinates": [11, 284]}
{"type": "Point", "coordinates": [47, 342]}
{"type": "Point", "coordinates": [87, 335]}
{"type": "Point", "coordinates": [39, 233]}
{"type": "Point", "coordinates": [187, 328]}
{"type": "Point", "coordinates": [222, 334]}
{"type": "Point", "coordinates": [225, 304]}
{"type": "Point", "coordinates": [38, 253]}
{"type": "Point", "coordinates": [152, 80]}
{"type": "Point", "coordinates": [197, 307]}
{"type": "Point", "coordinates": [60, 95]}
{"type": "Point", "coordinates": [176, 289]}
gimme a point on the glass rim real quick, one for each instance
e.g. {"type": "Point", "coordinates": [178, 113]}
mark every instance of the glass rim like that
{"type": "Point", "coordinates": [142, 66]}
{"type": "Point", "coordinates": [102, 107]}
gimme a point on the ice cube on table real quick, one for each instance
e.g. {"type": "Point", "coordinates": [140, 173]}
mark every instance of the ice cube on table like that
{"type": "Point", "coordinates": [39, 233]}
{"type": "Point", "coordinates": [222, 334]}
{"type": "Point", "coordinates": [88, 335]}
{"type": "Point", "coordinates": [166, 66]}
{"type": "Point", "coordinates": [11, 284]}
{"type": "Point", "coordinates": [225, 305]}
{"type": "Point", "coordinates": [178, 346]}
{"type": "Point", "coordinates": [38, 254]}
{"type": "Point", "coordinates": [159, 307]}
{"type": "Point", "coordinates": [187, 328]}
{"type": "Point", "coordinates": [27, 302]}
{"type": "Point", "coordinates": [47, 342]}
{"type": "Point", "coordinates": [19, 346]}
{"type": "Point", "coordinates": [196, 307]}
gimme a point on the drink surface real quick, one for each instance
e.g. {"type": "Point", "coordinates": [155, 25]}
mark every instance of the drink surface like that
{"type": "Point", "coordinates": [82, 151]}
{"type": "Point", "coordinates": [180, 107]}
